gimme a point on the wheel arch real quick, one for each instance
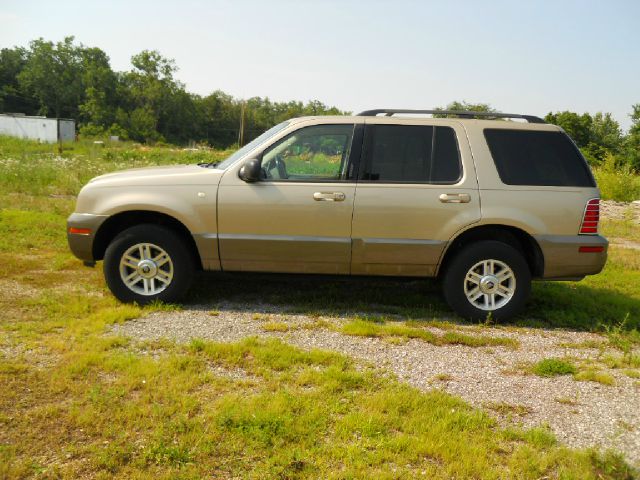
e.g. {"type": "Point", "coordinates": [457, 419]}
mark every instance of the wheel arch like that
{"type": "Point", "coordinates": [123, 220]}
{"type": "Point", "coordinates": [514, 236]}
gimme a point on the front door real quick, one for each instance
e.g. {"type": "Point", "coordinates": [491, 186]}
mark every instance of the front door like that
{"type": "Point", "coordinates": [417, 187]}
{"type": "Point", "coordinates": [298, 217]}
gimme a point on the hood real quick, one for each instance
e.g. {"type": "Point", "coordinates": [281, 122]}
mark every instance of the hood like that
{"type": "Point", "coordinates": [165, 175]}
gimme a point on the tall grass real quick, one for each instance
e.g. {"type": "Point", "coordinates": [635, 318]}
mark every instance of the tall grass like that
{"type": "Point", "coordinates": [36, 168]}
{"type": "Point", "coordinates": [620, 185]}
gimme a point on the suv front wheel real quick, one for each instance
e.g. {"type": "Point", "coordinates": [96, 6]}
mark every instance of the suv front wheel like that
{"type": "Point", "coordinates": [488, 278]}
{"type": "Point", "coordinates": [146, 263]}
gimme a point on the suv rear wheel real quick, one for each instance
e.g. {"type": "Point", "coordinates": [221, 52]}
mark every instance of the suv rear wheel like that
{"type": "Point", "coordinates": [146, 263]}
{"type": "Point", "coordinates": [487, 278]}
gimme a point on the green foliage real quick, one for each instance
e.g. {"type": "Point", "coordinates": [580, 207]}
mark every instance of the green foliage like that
{"type": "Point", "coordinates": [551, 367]}
{"type": "Point", "coordinates": [463, 106]}
{"type": "Point", "coordinates": [53, 75]}
{"type": "Point", "coordinates": [601, 139]}
{"type": "Point", "coordinates": [632, 142]}
{"type": "Point", "coordinates": [147, 103]}
{"type": "Point", "coordinates": [364, 328]}
{"type": "Point", "coordinates": [617, 182]}
{"type": "Point", "coordinates": [578, 127]}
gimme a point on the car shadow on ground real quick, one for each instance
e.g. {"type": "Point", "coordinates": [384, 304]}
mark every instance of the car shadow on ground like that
{"type": "Point", "coordinates": [568, 305]}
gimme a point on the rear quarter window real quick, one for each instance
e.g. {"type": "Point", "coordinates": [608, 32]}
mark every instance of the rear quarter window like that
{"type": "Point", "coordinates": [529, 157]}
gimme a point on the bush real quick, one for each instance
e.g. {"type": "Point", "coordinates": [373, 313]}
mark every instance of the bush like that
{"type": "Point", "coordinates": [617, 183]}
{"type": "Point", "coordinates": [551, 367]}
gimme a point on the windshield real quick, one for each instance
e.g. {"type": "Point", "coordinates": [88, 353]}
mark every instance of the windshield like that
{"type": "Point", "coordinates": [251, 145]}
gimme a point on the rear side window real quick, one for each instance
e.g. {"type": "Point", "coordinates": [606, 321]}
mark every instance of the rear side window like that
{"type": "Point", "coordinates": [411, 154]}
{"type": "Point", "coordinates": [526, 157]}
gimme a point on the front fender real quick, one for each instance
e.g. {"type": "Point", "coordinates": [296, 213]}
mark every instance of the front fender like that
{"type": "Point", "coordinates": [193, 206]}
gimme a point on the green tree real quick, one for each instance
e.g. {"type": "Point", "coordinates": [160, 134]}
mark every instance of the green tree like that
{"type": "Point", "coordinates": [52, 75]}
{"type": "Point", "coordinates": [463, 106]}
{"type": "Point", "coordinates": [632, 142]}
{"type": "Point", "coordinates": [577, 126]}
{"type": "Point", "coordinates": [99, 82]}
{"type": "Point", "coordinates": [150, 95]}
{"type": "Point", "coordinates": [12, 98]}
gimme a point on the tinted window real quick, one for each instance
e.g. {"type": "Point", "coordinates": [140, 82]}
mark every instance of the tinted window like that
{"type": "Point", "coordinates": [411, 154]}
{"type": "Point", "coordinates": [315, 153]}
{"type": "Point", "coordinates": [525, 157]}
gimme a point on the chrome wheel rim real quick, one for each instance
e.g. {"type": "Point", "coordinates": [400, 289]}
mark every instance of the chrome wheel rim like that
{"type": "Point", "coordinates": [146, 269]}
{"type": "Point", "coordinates": [489, 285]}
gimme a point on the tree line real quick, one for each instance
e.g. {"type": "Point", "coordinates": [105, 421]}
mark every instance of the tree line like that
{"type": "Point", "coordinates": [148, 104]}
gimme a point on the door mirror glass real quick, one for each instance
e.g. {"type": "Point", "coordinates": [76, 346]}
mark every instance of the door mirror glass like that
{"type": "Point", "coordinates": [250, 171]}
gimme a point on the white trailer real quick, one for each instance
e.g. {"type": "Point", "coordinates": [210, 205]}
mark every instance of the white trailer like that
{"type": "Point", "coordinates": [38, 128]}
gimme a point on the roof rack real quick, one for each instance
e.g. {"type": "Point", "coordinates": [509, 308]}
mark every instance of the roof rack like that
{"type": "Point", "coordinates": [460, 113]}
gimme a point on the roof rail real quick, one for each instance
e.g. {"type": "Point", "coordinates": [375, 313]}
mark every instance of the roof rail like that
{"type": "Point", "coordinates": [460, 113]}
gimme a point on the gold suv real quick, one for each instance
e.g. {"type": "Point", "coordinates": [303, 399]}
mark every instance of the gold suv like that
{"type": "Point", "coordinates": [485, 202]}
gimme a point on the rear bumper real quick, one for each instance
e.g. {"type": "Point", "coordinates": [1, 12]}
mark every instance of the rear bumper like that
{"type": "Point", "coordinates": [563, 260]}
{"type": "Point", "coordinates": [81, 244]}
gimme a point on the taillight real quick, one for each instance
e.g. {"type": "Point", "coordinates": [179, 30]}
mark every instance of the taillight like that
{"type": "Point", "coordinates": [591, 217]}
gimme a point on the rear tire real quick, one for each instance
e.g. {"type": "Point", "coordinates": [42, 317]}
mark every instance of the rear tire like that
{"type": "Point", "coordinates": [147, 263]}
{"type": "Point", "coordinates": [487, 278]}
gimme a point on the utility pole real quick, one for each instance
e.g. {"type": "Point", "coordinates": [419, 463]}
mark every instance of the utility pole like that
{"type": "Point", "coordinates": [241, 132]}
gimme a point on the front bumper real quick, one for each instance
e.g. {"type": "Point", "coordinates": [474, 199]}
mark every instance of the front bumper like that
{"type": "Point", "coordinates": [563, 259]}
{"type": "Point", "coordinates": [81, 244]}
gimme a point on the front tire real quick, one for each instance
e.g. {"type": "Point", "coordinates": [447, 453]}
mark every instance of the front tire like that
{"type": "Point", "coordinates": [146, 263]}
{"type": "Point", "coordinates": [488, 278]}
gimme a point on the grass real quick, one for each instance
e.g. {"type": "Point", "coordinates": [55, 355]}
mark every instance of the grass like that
{"type": "Point", "coordinates": [39, 169]}
{"type": "Point", "coordinates": [552, 367]}
{"type": "Point", "coordinates": [593, 375]}
{"type": "Point", "coordinates": [275, 327]}
{"type": "Point", "coordinates": [78, 401]}
{"type": "Point", "coordinates": [365, 328]}
{"type": "Point", "coordinates": [507, 409]}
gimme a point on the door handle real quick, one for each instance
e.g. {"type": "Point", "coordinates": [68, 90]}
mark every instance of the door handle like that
{"type": "Point", "coordinates": [455, 197]}
{"type": "Point", "coordinates": [329, 196]}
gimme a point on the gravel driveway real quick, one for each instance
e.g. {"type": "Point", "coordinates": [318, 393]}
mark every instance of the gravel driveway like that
{"type": "Point", "coordinates": [580, 413]}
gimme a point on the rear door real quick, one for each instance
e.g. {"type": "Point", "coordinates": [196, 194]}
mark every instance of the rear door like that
{"type": "Point", "coordinates": [417, 187]}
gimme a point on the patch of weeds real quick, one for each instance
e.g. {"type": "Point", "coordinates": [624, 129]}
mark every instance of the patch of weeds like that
{"type": "Point", "coordinates": [519, 368]}
{"type": "Point", "coordinates": [160, 306]}
{"type": "Point", "coordinates": [552, 367]}
{"type": "Point", "coordinates": [593, 375]}
{"type": "Point", "coordinates": [507, 409]}
{"type": "Point", "coordinates": [632, 373]}
{"type": "Point", "coordinates": [626, 426]}
{"type": "Point", "coordinates": [594, 344]}
{"type": "Point", "coordinates": [629, 360]}
{"type": "Point", "coordinates": [443, 377]}
{"type": "Point", "coordinates": [317, 323]}
{"type": "Point", "coordinates": [214, 313]}
{"type": "Point", "coordinates": [381, 330]}
{"type": "Point", "coordinates": [275, 327]}
{"type": "Point", "coordinates": [567, 400]}
{"type": "Point", "coordinates": [622, 338]}
{"type": "Point", "coordinates": [261, 317]}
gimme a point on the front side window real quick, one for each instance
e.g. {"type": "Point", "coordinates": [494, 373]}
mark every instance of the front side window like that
{"type": "Point", "coordinates": [251, 145]}
{"type": "Point", "coordinates": [411, 154]}
{"type": "Point", "coordinates": [316, 153]}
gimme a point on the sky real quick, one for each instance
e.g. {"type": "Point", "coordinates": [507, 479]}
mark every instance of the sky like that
{"type": "Point", "coordinates": [520, 57]}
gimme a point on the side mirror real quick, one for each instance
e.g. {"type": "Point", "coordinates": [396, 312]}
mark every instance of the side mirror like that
{"type": "Point", "coordinates": [251, 171]}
